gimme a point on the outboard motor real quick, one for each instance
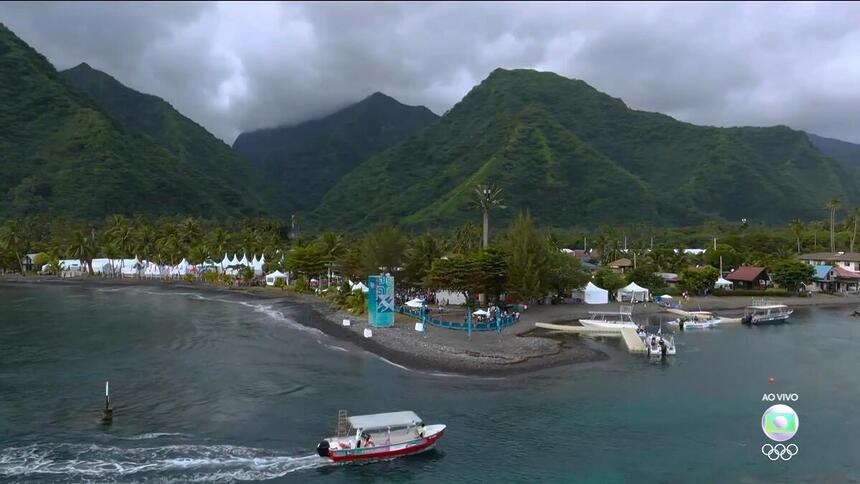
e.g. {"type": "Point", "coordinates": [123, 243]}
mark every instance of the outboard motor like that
{"type": "Point", "coordinates": [323, 448]}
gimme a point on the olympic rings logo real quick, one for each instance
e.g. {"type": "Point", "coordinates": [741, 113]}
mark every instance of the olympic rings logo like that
{"type": "Point", "coordinates": [779, 451]}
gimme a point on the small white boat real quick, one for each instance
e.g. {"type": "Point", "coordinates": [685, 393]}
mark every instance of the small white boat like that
{"type": "Point", "coordinates": [618, 320]}
{"type": "Point", "coordinates": [379, 436]}
{"type": "Point", "coordinates": [764, 312]}
{"type": "Point", "coordinates": [685, 324]}
{"type": "Point", "coordinates": [656, 346]}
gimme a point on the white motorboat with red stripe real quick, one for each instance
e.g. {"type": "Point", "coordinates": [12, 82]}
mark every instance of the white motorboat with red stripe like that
{"type": "Point", "coordinates": [379, 436]}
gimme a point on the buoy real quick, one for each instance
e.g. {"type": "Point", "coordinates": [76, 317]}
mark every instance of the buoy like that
{"type": "Point", "coordinates": [368, 333]}
{"type": "Point", "coordinates": [771, 380]}
{"type": "Point", "coordinates": [107, 413]}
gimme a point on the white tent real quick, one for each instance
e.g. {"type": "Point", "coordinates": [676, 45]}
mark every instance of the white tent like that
{"type": "Point", "coordinates": [235, 261]}
{"type": "Point", "coordinates": [244, 260]}
{"type": "Point", "coordinates": [632, 292]}
{"type": "Point", "coordinates": [226, 261]}
{"type": "Point", "coordinates": [415, 303]}
{"type": "Point", "coordinates": [723, 284]}
{"type": "Point", "coordinates": [358, 286]}
{"type": "Point", "coordinates": [595, 295]}
{"type": "Point", "coordinates": [480, 312]}
{"type": "Point", "coordinates": [257, 264]}
{"type": "Point", "coordinates": [182, 268]}
{"type": "Point", "coordinates": [272, 278]}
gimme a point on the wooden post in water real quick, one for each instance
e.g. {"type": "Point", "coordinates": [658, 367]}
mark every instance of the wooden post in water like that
{"type": "Point", "coordinates": [107, 413]}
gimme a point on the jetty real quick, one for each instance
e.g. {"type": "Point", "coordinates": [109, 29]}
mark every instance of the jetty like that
{"type": "Point", "coordinates": [631, 340]}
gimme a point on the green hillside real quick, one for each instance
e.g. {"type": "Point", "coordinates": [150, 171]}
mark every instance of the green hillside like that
{"type": "Point", "coordinates": [307, 159]}
{"type": "Point", "coordinates": [178, 134]}
{"type": "Point", "coordinates": [576, 156]}
{"type": "Point", "coordinates": [848, 153]}
{"type": "Point", "coordinates": [61, 154]}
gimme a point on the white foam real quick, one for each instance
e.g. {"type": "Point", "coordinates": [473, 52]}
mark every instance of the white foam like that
{"type": "Point", "coordinates": [154, 435]}
{"type": "Point", "coordinates": [212, 463]}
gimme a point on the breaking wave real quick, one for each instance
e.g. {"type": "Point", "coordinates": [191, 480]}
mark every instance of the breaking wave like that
{"type": "Point", "coordinates": [179, 463]}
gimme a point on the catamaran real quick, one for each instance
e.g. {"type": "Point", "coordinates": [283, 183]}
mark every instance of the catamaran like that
{"type": "Point", "coordinates": [765, 312]}
{"type": "Point", "coordinates": [379, 436]}
{"type": "Point", "coordinates": [602, 319]}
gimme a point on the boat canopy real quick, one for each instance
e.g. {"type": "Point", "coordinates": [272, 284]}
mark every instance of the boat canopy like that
{"type": "Point", "coordinates": [383, 420]}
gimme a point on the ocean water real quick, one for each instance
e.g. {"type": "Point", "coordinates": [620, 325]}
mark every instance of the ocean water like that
{"type": "Point", "coordinates": [210, 388]}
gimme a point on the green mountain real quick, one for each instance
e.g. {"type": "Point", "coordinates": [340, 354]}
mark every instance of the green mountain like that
{"type": "Point", "coordinates": [848, 153]}
{"type": "Point", "coordinates": [179, 135]}
{"type": "Point", "coordinates": [574, 156]}
{"type": "Point", "coordinates": [60, 153]}
{"type": "Point", "coordinates": [309, 158]}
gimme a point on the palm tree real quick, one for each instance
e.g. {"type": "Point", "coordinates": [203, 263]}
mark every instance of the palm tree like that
{"type": "Point", "coordinates": [487, 198]}
{"type": "Point", "coordinates": [15, 239]}
{"type": "Point", "coordinates": [219, 242]}
{"type": "Point", "coordinates": [332, 247]}
{"type": "Point", "coordinates": [83, 247]}
{"type": "Point", "coordinates": [797, 229]}
{"type": "Point", "coordinates": [833, 205]}
{"type": "Point", "coordinates": [119, 234]}
{"type": "Point", "coordinates": [855, 214]}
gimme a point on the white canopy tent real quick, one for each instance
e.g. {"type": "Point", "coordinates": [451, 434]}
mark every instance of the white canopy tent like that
{"type": "Point", "coordinates": [244, 260]}
{"type": "Point", "coordinates": [272, 279]}
{"type": "Point", "coordinates": [723, 284]}
{"type": "Point", "coordinates": [235, 261]}
{"type": "Point", "coordinates": [358, 286]}
{"type": "Point", "coordinates": [257, 264]}
{"type": "Point", "coordinates": [481, 312]}
{"type": "Point", "coordinates": [415, 303]}
{"type": "Point", "coordinates": [226, 261]}
{"type": "Point", "coordinates": [632, 292]}
{"type": "Point", "coordinates": [595, 295]}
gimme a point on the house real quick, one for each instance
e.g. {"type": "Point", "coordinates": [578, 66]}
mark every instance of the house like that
{"type": "Point", "coordinates": [621, 265]}
{"type": "Point", "coordinates": [670, 278]}
{"type": "Point", "coordinates": [835, 279]}
{"type": "Point", "coordinates": [749, 277]}
{"type": "Point", "coordinates": [28, 262]}
{"type": "Point", "coordinates": [847, 260]}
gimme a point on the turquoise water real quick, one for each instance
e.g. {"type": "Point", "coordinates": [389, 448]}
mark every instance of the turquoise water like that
{"type": "Point", "coordinates": [210, 388]}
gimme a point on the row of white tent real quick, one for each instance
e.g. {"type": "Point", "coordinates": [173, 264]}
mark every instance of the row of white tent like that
{"type": "Point", "coordinates": [136, 267]}
{"type": "Point", "coordinates": [592, 294]}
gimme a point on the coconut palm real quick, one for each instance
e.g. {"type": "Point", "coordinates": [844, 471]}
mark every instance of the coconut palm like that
{"type": "Point", "coordinates": [332, 247]}
{"type": "Point", "coordinates": [83, 247]}
{"type": "Point", "coordinates": [797, 229]}
{"type": "Point", "coordinates": [487, 197]}
{"type": "Point", "coordinates": [855, 215]}
{"type": "Point", "coordinates": [832, 205]}
{"type": "Point", "coordinates": [15, 239]}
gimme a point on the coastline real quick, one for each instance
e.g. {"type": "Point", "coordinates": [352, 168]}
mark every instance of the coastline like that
{"type": "Point", "coordinates": [435, 351]}
{"type": "Point", "coordinates": [517, 350]}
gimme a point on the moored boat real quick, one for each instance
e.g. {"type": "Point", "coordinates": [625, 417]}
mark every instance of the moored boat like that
{"type": "Point", "coordinates": [379, 436]}
{"type": "Point", "coordinates": [764, 312]}
{"type": "Point", "coordinates": [656, 346]}
{"type": "Point", "coordinates": [602, 319]}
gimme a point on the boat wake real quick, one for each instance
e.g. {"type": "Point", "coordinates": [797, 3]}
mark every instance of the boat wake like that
{"type": "Point", "coordinates": [178, 463]}
{"type": "Point", "coordinates": [154, 435]}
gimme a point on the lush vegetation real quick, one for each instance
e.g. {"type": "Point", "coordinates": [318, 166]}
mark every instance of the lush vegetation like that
{"type": "Point", "coordinates": [180, 136]}
{"type": "Point", "coordinates": [576, 157]}
{"type": "Point", "coordinates": [60, 154]}
{"type": "Point", "coordinates": [307, 159]}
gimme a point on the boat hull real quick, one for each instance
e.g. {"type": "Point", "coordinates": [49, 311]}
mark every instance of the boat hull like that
{"type": "Point", "coordinates": [597, 323]}
{"type": "Point", "coordinates": [776, 319]}
{"type": "Point", "coordinates": [386, 451]}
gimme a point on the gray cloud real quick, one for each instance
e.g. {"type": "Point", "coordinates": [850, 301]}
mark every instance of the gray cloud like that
{"type": "Point", "coordinates": [240, 66]}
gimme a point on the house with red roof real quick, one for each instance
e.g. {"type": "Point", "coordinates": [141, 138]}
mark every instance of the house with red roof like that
{"type": "Point", "coordinates": [749, 277]}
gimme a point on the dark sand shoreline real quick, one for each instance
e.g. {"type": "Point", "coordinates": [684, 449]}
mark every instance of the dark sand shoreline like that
{"type": "Point", "coordinates": [517, 350]}
{"type": "Point", "coordinates": [435, 351]}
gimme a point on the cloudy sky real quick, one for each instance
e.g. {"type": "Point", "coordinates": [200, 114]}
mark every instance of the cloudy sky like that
{"type": "Point", "coordinates": [238, 67]}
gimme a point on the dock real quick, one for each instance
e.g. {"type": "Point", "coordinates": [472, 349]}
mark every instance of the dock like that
{"type": "Point", "coordinates": [632, 340]}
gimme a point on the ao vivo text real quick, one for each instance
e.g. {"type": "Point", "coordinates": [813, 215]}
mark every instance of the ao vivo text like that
{"type": "Point", "coordinates": [779, 397]}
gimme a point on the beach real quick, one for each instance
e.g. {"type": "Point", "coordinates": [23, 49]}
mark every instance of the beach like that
{"type": "Point", "coordinates": [517, 349]}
